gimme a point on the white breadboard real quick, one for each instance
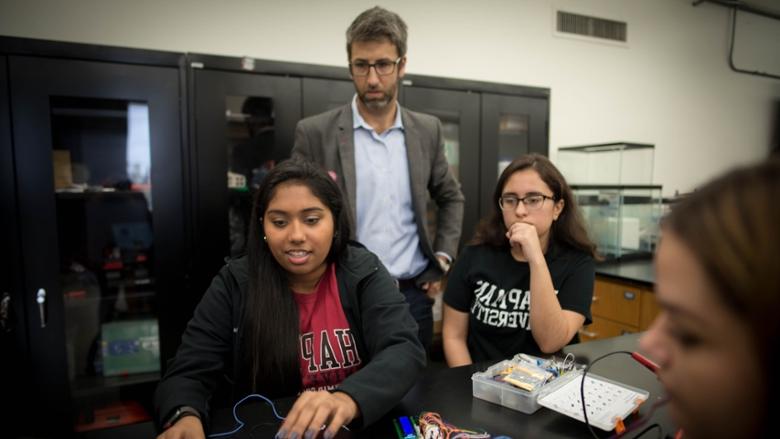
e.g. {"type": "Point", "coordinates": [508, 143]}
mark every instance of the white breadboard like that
{"type": "Point", "coordinates": [606, 400]}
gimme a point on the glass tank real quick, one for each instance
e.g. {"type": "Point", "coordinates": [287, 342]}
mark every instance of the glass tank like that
{"type": "Point", "coordinates": [622, 219]}
{"type": "Point", "coordinates": [613, 185]}
{"type": "Point", "coordinates": [607, 163]}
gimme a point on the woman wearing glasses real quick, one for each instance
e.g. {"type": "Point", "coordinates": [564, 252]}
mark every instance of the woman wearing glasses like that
{"type": "Point", "coordinates": [525, 283]}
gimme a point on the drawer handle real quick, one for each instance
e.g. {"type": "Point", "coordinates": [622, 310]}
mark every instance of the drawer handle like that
{"type": "Point", "coordinates": [40, 299]}
{"type": "Point", "coordinates": [588, 333]}
{"type": "Point", "coordinates": [629, 295]}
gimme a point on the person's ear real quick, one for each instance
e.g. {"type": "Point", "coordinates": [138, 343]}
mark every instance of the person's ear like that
{"type": "Point", "coordinates": [558, 209]}
{"type": "Point", "coordinates": [402, 67]}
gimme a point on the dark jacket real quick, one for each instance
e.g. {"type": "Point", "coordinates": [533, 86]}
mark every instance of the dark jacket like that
{"type": "Point", "coordinates": [384, 331]}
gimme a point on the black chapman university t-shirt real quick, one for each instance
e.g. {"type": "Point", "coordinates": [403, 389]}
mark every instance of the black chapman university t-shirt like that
{"type": "Point", "coordinates": [494, 289]}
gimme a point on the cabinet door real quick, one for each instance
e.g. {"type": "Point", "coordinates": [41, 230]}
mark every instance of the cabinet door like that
{"type": "Point", "coordinates": [13, 340]}
{"type": "Point", "coordinates": [459, 113]}
{"type": "Point", "coordinates": [616, 301]}
{"type": "Point", "coordinates": [243, 124]}
{"type": "Point", "coordinates": [511, 126]}
{"type": "Point", "coordinates": [98, 165]}
{"type": "Point", "coordinates": [649, 311]}
{"type": "Point", "coordinates": [320, 95]}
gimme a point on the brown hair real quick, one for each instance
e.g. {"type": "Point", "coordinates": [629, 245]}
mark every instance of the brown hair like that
{"type": "Point", "coordinates": [732, 226]}
{"type": "Point", "coordinates": [377, 24]}
{"type": "Point", "coordinates": [568, 229]}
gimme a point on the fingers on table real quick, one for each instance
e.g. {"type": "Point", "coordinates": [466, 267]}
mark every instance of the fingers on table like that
{"type": "Point", "coordinates": [311, 412]}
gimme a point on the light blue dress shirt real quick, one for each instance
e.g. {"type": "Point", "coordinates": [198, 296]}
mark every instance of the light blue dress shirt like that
{"type": "Point", "coordinates": [385, 216]}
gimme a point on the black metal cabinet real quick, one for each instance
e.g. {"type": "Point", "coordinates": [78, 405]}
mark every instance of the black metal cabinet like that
{"type": "Point", "coordinates": [113, 226]}
{"type": "Point", "coordinates": [320, 95]}
{"type": "Point", "coordinates": [97, 159]}
{"type": "Point", "coordinates": [511, 126]}
{"type": "Point", "coordinates": [242, 124]}
{"type": "Point", "coordinates": [14, 349]}
{"type": "Point", "coordinates": [459, 114]}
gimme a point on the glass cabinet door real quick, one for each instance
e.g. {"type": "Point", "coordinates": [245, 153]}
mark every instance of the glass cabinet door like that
{"type": "Point", "coordinates": [459, 115]}
{"type": "Point", "coordinates": [101, 167]}
{"type": "Point", "coordinates": [458, 112]}
{"type": "Point", "coordinates": [251, 140]}
{"type": "Point", "coordinates": [244, 124]}
{"type": "Point", "coordinates": [99, 177]}
{"type": "Point", "coordinates": [511, 126]}
{"type": "Point", "coordinates": [321, 95]}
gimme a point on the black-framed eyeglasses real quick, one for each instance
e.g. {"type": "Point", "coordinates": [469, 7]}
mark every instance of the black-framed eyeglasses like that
{"type": "Point", "coordinates": [531, 201]}
{"type": "Point", "coordinates": [383, 67]}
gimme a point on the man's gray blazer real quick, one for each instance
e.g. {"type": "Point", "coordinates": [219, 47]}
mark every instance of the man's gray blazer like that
{"type": "Point", "coordinates": [328, 139]}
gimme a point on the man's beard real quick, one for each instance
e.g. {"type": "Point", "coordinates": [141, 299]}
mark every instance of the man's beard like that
{"type": "Point", "coordinates": [378, 104]}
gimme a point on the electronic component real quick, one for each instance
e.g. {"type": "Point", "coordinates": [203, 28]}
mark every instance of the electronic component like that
{"type": "Point", "coordinates": [405, 427]}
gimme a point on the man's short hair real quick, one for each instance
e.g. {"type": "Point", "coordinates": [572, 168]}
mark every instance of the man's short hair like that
{"type": "Point", "coordinates": [377, 24]}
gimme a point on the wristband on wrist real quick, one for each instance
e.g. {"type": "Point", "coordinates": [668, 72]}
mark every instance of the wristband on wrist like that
{"type": "Point", "coordinates": [180, 412]}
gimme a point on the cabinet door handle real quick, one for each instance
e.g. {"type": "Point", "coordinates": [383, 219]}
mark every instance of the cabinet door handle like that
{"type": "Point", "coordinates": [629, 295]}
{"type": "Point", "coordinates": [588, 333]}
{"type": "Point", "coordinates": [595, 299]}
{"type": "Point", "coordinates": [5, 312]}
{"type": "Point", "coordinates": [40, 298]}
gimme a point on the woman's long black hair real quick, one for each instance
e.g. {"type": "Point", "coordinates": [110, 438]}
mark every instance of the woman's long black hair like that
{"type": "Point", "coordinates": [270, 319]}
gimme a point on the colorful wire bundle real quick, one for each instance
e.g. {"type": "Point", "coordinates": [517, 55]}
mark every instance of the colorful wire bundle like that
{"type": "Point", "coordinates": [432, 426]}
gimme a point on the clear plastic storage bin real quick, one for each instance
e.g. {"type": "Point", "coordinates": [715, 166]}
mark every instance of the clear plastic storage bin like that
{"type": "Point", "coordinates": [528, 370]}
{"type": "Point", "coordinates": [536, 370]}
{"type": "Point", "coordinates": [483, 386]}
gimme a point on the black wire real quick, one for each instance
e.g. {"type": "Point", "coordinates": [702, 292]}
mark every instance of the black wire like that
{"type": "Point", "coordinates": [582, 387]}
{"type": "Point", "coordinates": [731, 50]}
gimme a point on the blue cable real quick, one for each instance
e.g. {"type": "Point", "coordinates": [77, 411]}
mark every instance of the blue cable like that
{"type": "Point", "coordinates": [239, 421]}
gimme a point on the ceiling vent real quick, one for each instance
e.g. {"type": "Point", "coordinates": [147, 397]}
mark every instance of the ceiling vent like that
{"type": "Point", "coordinates": [593, 27]}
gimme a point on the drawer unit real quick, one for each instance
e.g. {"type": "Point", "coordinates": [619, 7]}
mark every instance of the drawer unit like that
{"type": "Point", "coordinates": [619, 308]}
{"type": "Point", "coordinates": [616, 301]}
{"type": "Point", "coordinates": [604, 328]}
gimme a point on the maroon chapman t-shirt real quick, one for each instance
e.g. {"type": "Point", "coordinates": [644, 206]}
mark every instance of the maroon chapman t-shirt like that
{"type": "Point", "coordinates": [326, 345]}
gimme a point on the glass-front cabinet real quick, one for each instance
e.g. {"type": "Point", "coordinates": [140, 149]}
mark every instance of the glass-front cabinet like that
{"type": "Point", "coordinates": [511, 126]}
{"type": "Point", "coordinates": [243, 123]}
{"type": "Point", "coordinates": [321, 95]}
{"type": "Point", "coordinates": [98, 165]}
{"type": "Point", "coordinates": [127, 178]}
{"type": "Point", "coordinates": [458, 112]}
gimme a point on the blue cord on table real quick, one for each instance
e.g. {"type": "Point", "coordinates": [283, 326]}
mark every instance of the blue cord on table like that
{"type": "Point", "coordinates": [239, 421]}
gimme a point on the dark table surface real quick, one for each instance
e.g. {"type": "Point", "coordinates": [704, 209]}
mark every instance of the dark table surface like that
{"type": "Point", "coordinates": [637, 270]}
{"type": "Point", "coordinates": [449, 393]}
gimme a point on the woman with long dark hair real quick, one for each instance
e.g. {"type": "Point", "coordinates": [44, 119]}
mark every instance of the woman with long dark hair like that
{"type": "Point", "coordinates": [718, 286]}
{"type": "Point", "coordinates": [525, 283]}
{"type": "Point", "coordinates": [306, 311]}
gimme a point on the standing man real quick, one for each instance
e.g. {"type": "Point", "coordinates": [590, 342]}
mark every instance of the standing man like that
{"type": "Point", "coordinates": [387, 161]}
